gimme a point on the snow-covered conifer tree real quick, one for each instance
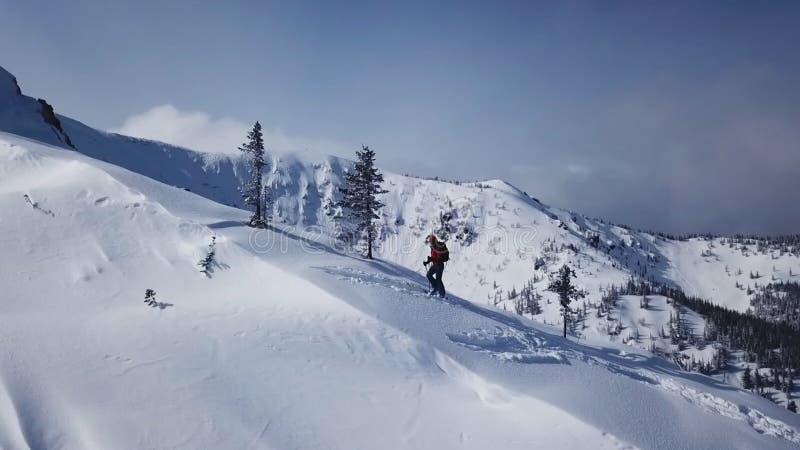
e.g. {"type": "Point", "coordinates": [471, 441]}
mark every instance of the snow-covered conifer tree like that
{"type": "Point", "coordinates": [208, 260]}
{"type": "Point", "coordinates": [359, 201]}
{"type": "Point", "coordinates": [253, 151]}
{"type": "Point", "coordinates": [561, 284]}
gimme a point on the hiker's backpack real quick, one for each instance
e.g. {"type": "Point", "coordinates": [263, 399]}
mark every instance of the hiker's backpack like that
{"type": "Point", "coordinates": [444, 253]}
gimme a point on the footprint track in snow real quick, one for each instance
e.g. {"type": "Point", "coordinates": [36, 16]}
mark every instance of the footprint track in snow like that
{"type": "Point", "coordinates": [508, 344]}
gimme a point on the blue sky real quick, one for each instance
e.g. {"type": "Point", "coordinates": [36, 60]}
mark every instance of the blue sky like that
{"type": "Point", "coordinates": [675, 116]}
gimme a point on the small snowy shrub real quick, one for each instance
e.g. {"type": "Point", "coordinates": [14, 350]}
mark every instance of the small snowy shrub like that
{"type": "Point", "coordinates": [207, 261]}
{"type": "Point", "coordinates": [150, 298]}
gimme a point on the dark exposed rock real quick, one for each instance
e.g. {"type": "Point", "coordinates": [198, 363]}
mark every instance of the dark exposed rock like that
{"type": "Point", "coordinates": [49, 116]}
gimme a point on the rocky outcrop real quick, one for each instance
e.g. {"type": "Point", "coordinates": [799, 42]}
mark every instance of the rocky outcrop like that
{"type": "Point", "coordinates": [49, 116]}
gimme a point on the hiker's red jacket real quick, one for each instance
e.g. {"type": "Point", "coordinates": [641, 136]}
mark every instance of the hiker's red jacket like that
{"type": "Point", "coordinates": [436, 254]}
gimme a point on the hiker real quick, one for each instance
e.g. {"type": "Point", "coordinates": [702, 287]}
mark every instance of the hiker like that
{"type": "Point", "coordinates": [439, 255]}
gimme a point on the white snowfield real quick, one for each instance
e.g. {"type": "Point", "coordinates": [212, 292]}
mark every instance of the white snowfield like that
{"type": "Point", "coordinates": [291, 343]}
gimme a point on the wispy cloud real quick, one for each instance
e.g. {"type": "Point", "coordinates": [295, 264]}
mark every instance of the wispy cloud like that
{"type": "Point", "coordinates": [578, 170]}
{"type": "Point", "coordinates": [199, 131]}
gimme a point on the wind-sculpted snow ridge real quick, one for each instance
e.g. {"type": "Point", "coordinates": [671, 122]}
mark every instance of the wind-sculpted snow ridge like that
{"type": "Point", "coordinates": [531, 353]}
{"type": "Point", "coordinates": [512, 345]}
{"type": "Point", "coordinates": [753, 417]}
{"type": "Point", "coordinates": [528, 346]}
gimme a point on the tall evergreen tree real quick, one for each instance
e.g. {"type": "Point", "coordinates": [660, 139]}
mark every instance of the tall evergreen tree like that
{"type": "Point", "coordinates": [561, 284]}
{"type": "Point", "coordinates": [253, 150]}
{"type": "Point", "coordinates": [359, 197]}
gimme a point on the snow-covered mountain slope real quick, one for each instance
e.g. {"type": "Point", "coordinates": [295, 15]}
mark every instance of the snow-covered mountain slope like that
{"type": "Point", "coordinates": [507, 230]}
{"type": "Point", "coordinates": [288, 343]}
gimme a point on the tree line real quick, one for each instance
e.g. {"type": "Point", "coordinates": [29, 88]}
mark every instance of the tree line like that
{"type": "Point", "coordinates": [767, 343]}
{"type": "Point", "coordinates": [778, 302]}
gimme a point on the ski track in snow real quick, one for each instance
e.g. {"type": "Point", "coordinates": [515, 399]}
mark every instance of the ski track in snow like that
{"type": "Point", "coordinates": [364, 277]}
{"type": "Point", "coordinates": [507, 344]}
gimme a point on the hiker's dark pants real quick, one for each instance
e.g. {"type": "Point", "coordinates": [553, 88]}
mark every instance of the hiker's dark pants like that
{"type": "Point", "coordinates": [435, 278]}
